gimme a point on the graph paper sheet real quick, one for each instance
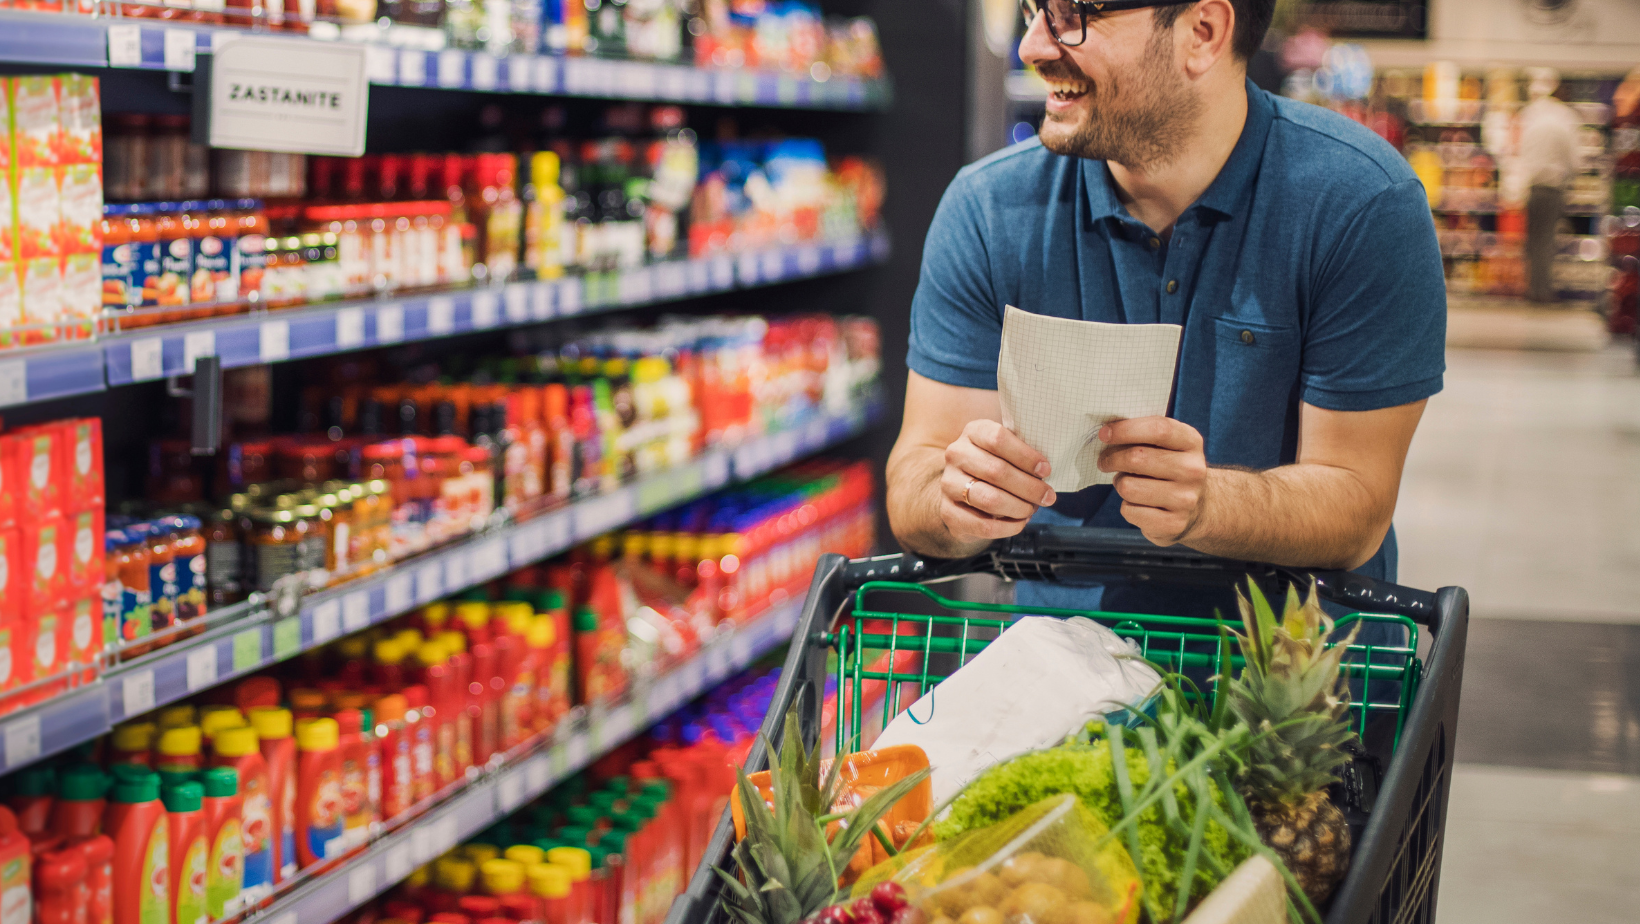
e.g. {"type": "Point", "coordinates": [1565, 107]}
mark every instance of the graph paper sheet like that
{"type": "Point", "coordinates": [1060, 380]}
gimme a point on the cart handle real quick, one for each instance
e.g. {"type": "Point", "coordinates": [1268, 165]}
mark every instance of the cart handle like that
{"type": "Point", "coordinates": [1085, 554]}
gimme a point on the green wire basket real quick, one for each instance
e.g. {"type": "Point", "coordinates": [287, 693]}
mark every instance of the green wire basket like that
{"type": "Point", "coordinates": [911, 653]}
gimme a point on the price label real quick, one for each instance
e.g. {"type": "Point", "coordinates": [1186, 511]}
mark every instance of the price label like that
{"type": "Point", "coordinates": [400, 593]}
{"type": "Point", "coordinates": [22, 740]}
{"type": "Point", "coordinates": [541, 301]}
{"type": "Point", "coordinates": [484, 72]}
{"type": "Point", "coordinates": [456, 570]}
{"type": "Point", "coordinates": [179, 50]}
{"type": "Point", "coordinates": [356, 611]}
{"type": "Point", "coordinates": [421, 844]}
{"type": "Point", "coordinates": [361, 884]}
{"type": "Point", "coordinates": [489, 560]}
{"type": "Point", "coordinates": [773, 266]}
{"type": "Point", "coordinates": [808, 260]}
{"type": "Point", "coordinates": [197, 344]}
{"type": "Point", "coordinates": [640, 706]}
{"type": "Point", "coordinates": [275, 345]}
{"type": "Point", "coordinates": [429, 583]}
{"type": "Point", "coordinates": [247, 650]}
{"type": "Point", "coordinates": [486, 313]}
{"type": "Point", "coordinates": [137, 693]}
{"type": "Point", "coordinates": [674, 83]}
{"type": "Point", "coordinates": [441, 315]}
{"type": "Point", "coordinates": [380, 66]}
{"type": "Point", "coordinates": [556, 533]}
{"type": "Point", "coordinates": [595, 732]}
{"type": "Point", "coordinates": [719, 661]}
{"type": "Point", "coordinates": [723, 86]}
{"type": "Point", "coordinates": [569, 297]}
{"type": "Point", "coordinates": [350, 326]}
{"type": "Point", "coordinates": [396, 863]}
{"type": "Point", "coordinates": [412, 68]}
{"type": "Point", "coordinates": [517, 299]}
{"type": "Point", "coordinates": [578, 751]}
{"type": "Point", "coordinates": [124, 46]}
{"type": "Point", "coordinates": [559, 759]}
{"type": "Point", "coordinates": [452, 68]}
{"type": "Point", "coordinates": [327, 621]}
{"type": "Point", "coordinates": [723, 273]}
{"type": "Point", "coordinates": [202, 668]}
{"type": "Point", "coordinates": [509, 793]}
{"type": "Point", "coordinates": [537, 774]}
{"type": "Point", "coordinates": [287, 637]}
{"type": "Point", "coordinates": [747, 269]}
{"type": "Point", "coordinates": [715, 470]}
{"type": "Point", "coordinates": [13, 382]}
{"type": "Point", "coordinates": [600, 515]}
{"type": "Point", "coordinates": [147, 359]}
{"type": "Point", "coordinates": [390, 324]}
{"type": "Point", "coordinates": [543, 74]}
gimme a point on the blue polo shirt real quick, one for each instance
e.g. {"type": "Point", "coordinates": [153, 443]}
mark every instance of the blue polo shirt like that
{"type": "Point", "coordinates": [1307, 272]}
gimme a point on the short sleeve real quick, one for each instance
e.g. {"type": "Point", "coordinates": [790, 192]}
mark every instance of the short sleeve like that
{"type": "Point", "coordinates": [956, 323]}
{"type": "Point", "coordinates": [1376, 335]}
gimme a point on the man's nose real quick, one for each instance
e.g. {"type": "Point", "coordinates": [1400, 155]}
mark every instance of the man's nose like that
{"type": "Point", "coordinates": [1039, 44]}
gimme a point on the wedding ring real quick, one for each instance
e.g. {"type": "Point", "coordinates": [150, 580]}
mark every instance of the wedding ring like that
{"type": "Point", "coordinates": [966, 488]}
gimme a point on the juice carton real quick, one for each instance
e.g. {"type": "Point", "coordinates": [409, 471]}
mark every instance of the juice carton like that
{"type": "Point", "coordinates": [80, 106]}
{"type": "Point", "coordinates": [42, 299]}
{"type": "Point", "coordinates": [31, 454]}
{"type": "Point", "coordinates": [46, 558]}
{"type": "Point", "coordinates": [85, 552]}
{"type": "Point", "coordinates": [36, 120]}
{"type": "Point", "coordinates": [84, 634]}
{"type": "Point", "coordinates": [82, 461]}
{"type": "Point", "coordinates": [79, 217]}
{"type": "Point", "coordinates": [38, 208]}
{"type": "Point", "coordinates": [11, 574]}
{"type": "Point", "coordinates": [81, 293]}
{"type": "Point", "coordinates": [11, 290]}
{"type": "Point", "coordinates": [12, 662]}
{"type": "Point", "coordinates": [50, 646]}
{"type": "Point", "coordinates": [6, 156]}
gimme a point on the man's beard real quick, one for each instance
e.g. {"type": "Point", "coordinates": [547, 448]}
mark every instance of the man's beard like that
{"type": "Point", "coordinates": [1144, 131]}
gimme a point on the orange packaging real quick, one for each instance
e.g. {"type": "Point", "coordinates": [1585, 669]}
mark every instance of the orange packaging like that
{"type": "Point", "coordinates": [11, 576]}
{"type": "Point", "coordinates": [80, 294]}
{"type": "Point", "coordinates": [38, 209]}
{"type": "Point", "coordinates": [319, 817]}
{"type": "Point", "coordinates": [31, 454]}
{"type": "Point", "coordinates": [50, 646]}
{"type": "Point", "coordinates": [85, 553]}
{"type": "Point", "coordinates": [80, 110]}
{"type": "Point", "coordinates": [79, 209]}
{"type": "Point", "coordinates": [46, 558]}
{"type": "Point", "coordinates": [14, 865]}
{"type": "Point", "coordinates": [41, 301]}
{"type": "Point", "coordinates": [6, 157]}
{"type": "Point", "coordinates": [238, 748]}
{"type": "Point", "coordinates": [11, 283]}
{"type": "Point", "coordinates": [81, 458]}
{"type": "Point", "coordinates": [36, 120]}
{"type": "Point", "coordinates": [84, 634]}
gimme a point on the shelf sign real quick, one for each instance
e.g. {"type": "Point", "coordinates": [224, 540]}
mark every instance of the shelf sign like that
{"type": "Point", "coordinates": [277, 95]}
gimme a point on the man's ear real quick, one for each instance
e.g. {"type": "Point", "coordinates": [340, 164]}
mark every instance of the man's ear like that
{"type": "Point", "coordinates": [1211, 30]}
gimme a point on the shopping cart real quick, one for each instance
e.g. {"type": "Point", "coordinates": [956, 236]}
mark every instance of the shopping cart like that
{"type": "Point", "coordinates": [892, 638]}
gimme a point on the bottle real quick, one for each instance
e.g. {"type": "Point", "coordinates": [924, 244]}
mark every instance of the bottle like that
{"type": "Point", "coordinates": [542, 638]}
{"type": "Point", "coordinates": [98, 895]}
{"type": "Point", "coordinates": [214, 718]}
{"type": "Point", "coordinates": [179, 749]}
{"type": "Point", "coordinates": [551, 883]}
{"type": "Point", "coordinates": [545, 219]}
{"type": "Point", "coordinates": [393, 750]}
{"type": "Point", "coordinates": [59, 889]}
{"type": "Point", "coordinates": [82, 792]}
{"type": "Point", "coordinates": [190, 851]}
{"type": "Point", "coordinates": [273, 732]}
{"type": "Point", "coordinates": [441, 710]}
{"type": "Point", "coordinates": [421, 730]}
{"type": "Point", "coordinates": [240, 750]}
{"type": "Point", "coordinates": [360, 778]}
{"type": "Point", "coordinates": [188, 556]}
{"type": "Point", "coordinates": [136, 820]}
{"type": "Point", "coordinates": [485, 692]}
{"type": "Point", "coordinates": [452, 879]}
{"type": "Point", "coordinates": [318, 792]}
{"type": "Point", "coordinates": [132, 742]}
{"type": "Point", "coordinates": [577, 861]}
{"type": "Point", "coordinates": [225, 869]}
{"type": "Point", "coordinates": [31, 799]}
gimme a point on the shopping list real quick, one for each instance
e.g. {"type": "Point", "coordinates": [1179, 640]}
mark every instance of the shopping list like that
{"type": "Point", "coordinates": [1061, 379]}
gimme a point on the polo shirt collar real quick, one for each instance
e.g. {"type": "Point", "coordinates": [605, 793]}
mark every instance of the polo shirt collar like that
{"type": "Point", "coordinates": [1228, 189]}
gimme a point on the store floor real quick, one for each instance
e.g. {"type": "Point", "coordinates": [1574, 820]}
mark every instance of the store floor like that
{"type": "Point", "coordinates": [1523, 485]}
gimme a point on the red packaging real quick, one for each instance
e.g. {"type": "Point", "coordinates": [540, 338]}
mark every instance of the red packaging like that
{"type": "Point", "coordinates": [11, 576]}
{"type": "Point", "coordinates": [84, 634]}
{"type": "Point", "coordinates": [14, 656]}
{"type": "Point", "coordinates": [45, 556]}
{"type": "Point", "coordinates": [31, 453]}
{"type": "Point", "coordinates": [50, 644]}
{"type": "Point", "coordinates": [85, 553]}
{"type": "Point", "coordinates": [81, 457]}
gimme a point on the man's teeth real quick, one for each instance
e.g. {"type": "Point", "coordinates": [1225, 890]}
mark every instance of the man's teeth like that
{"type": "Point", "coordinates": [1067, 87]}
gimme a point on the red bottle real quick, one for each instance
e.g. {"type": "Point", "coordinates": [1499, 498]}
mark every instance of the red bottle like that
{"type": "Point", "coordinates": [484, 692]}
{"type": "Point", "coordinates": [240, 749]}
{"type": "Point", "coordinates": [81, 801]}
{"type": "Point", "coordinates": [60, 891]}
{"type": "Point", "coordinates": [31, 800]}
{"type": "Point", "coordinates": [142, 854]}
{"type": "Point", "coordinates": [273, 731]}
{"type": "Point", "coordinates": [98, 852]}
{"type": "Point", "coordinates": [224, 827]}
{"type": "Point", "coordinates": [361, 778]}
{"type": "Point", "coordinates": [398, 787]}
{"type": "Point", "coordinates": [464, 706]}
{"type": "Point", "coordinates": [318, 792]}
{"type": "Point", "coordinates": [190, 852]}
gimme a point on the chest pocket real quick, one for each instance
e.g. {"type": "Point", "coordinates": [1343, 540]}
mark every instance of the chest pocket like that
{"type": "Point", "coordinates": [1255, 374]}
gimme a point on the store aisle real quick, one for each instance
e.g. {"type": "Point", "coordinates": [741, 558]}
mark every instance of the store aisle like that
{"type": "Point", "coordinates": [1523, 485]}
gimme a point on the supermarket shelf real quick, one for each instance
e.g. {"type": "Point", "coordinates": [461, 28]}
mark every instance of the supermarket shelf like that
{"type": "Point", "coordinates": [498, 793]}
{"type": "Point", "coordinates": [146, 354]}
{"type": "Point", "coordinates": [1568, 213]}
{"type": "Point", "coordinates": [286, 627]}
{"type": "Point", "coordinates": [77, 41]}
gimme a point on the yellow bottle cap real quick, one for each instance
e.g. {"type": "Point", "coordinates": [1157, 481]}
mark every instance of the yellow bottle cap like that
{"type": "Point", "coordinates": [435, 615]}
{"type": "Point", "coordinates": [478, 853]}
{"type": "Point", "coordinates": [178, 715]}
{"type": "Point", "coordinates": [388, 651]}
{"type": "Point", "coordinates": [431, 654]}
{"type": "Point", "coordinates": [454, 642]}
{"type": "Point", "coordinates": [578, 860]}
{"type": "Point", "coordinates": [454, 874]}
{"type": "Point", "coordinates": [420, 876]}
{"type": "Point", "coordinates": [135, 736]}
{"type": "Point", "coordinates": [515, 615]}
{"type": "Point", "coordinates": [213, 719]}
{"type": "Point", "coordinates": [663, 546]}
{"type": "Point", "coordinates": [527, 854]}
{"type": "Point", "coordinates": [473, 614]}
{"type": "Point", "coordinates": [317, 735]}
{"type": "Point", "coordinates": [240, 741]}
{"type": "Point", "coordinates": [635, 544]}
{"type": "Point", "coordinates": [409, 639]}
{"type": "Point", "coordinates": [271, 722]}
{"type": "Point", "coordinates": [354, 647]}
{"type": "Point", "coordinates": [686, 547]}
{"type": "Point", "coordinates": [502, 877]}
{"type": "Point", "coordinates": [543, 632]}
{"type": "Point", "coordinates": [549, 880]}
{"type": "Point", "coordinates": [182, 741]}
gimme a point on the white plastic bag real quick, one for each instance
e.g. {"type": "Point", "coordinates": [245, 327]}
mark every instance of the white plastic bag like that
{"type": "Point", "coordinates": [1043, 679]}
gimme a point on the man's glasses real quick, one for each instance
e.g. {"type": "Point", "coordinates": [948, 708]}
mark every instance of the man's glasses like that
{"type": "Point", "coordinates": [1067, 20]}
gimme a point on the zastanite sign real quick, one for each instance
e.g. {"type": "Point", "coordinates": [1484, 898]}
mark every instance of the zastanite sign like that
{"type": "Point", "coordinates": [280, 95]}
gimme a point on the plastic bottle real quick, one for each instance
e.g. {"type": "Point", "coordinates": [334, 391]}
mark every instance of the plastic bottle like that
{"type": "Point", "coordinates": [178, 715]}
{"type": "Point", "coordinates": [213, 719]}
{"type": "Point", "coordinates": [253, 692]}
{"type": "Point", "coordinates": [136, 820]}
{"type": "Point", "coordinates": [452, 878]}
{"type": "Point", "coordinates": [360, 778]}
{"type": "Point", "coordinates": [98, 853]}
{"type": "Point", "coordinates": [31, 799]}
{"type": "Point", "coordinates": [190, 851]}
{"type": "Point", "coordinates": [179, 749]}
{"type": "Point", "coordinates": [440, 710]}
{"type": "Point", "coordinates": [387, 667]}
{"type": "Point", "coordinates": [484, 693]}
{"type": "Point", "coordinates": [421, 729]}
{"type": "Point", "coordinates": [132, 743]}
{"type": "Point", "coordinates": [551, 883]}
{"type": "Point", "coordinates": [60, 890]}
{"type": "Point", "coordinates": [240, 749]}
{"type": "Point", "coordinates": [82, 791]}
{"type": "Point", "coordinates": [393, 747]}
{"type": "Point", "coordinates": [578, 862]}
{"type": "Point", "coordinates": [15, 872]}
{"type": "Point", "coordinates": [318, 792]}
{"type": "Point", "coordinates": [225, 868]}
{"type": "Point", "coordinates": [273, 732]}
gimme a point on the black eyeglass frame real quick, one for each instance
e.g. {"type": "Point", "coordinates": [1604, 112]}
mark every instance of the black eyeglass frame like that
{"type": "Point", "coordinates": [1030, 8]}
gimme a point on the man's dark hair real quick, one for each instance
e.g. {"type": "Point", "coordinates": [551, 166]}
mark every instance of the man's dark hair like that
{"type": "Point", "coordinates": [1252, 21]}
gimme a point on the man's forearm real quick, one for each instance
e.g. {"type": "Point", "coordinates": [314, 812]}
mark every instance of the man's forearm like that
{"type": "Point", "coordinates": [1302, 515]}
{"type": "Point", "coordinates": [914, 505]}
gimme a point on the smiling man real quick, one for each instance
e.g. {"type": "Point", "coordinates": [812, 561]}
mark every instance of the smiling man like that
{"type": "Point", "coordinates": [1295, 248]}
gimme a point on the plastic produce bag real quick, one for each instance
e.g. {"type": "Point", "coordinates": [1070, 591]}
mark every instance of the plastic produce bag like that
{"type": "Point", "coordinates": [1043, 679]}
{"type": "Point", "coordinates": [1050, 863]}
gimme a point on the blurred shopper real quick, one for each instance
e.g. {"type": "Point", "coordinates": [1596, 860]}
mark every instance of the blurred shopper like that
{"type": "Point", "coordinates": [1548, 154]}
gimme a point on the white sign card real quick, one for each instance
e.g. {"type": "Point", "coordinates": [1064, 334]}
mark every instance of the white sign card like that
{"type": "Point", "coordinates": [272, 94]}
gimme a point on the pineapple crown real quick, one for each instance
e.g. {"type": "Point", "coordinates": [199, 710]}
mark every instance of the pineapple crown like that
{"type": "Point", "coordinates": [1291, 687]}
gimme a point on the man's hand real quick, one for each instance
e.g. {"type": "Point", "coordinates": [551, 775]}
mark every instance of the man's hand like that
{"type": "Point", "coordinates": [992, 483]}
{"type": "Point", "coordinates": [1161, 474]}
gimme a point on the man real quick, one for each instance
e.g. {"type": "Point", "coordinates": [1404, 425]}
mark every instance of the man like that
{"type": "Point", "coordinates": [1549, 158]}
{"type": "Point", "coordinates": [1295, 247]}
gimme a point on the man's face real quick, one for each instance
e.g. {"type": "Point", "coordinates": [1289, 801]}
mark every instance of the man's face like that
{"type": "Point", "coordinates": [1120, 95]}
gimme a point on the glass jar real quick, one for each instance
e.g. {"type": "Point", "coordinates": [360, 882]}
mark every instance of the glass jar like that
{"type": "Point", "coordinates": [336, 506]}
{"type": "Point", "coordinates": [188, 557]}
{"type": "Point", "coordinates": [381, 541]}
{"type": "Point", "coordinates": [314, 523]}
{"type": "Point", "coordinates": [275, 545]}
{"type": "Point", "coordinates": [224, 558]}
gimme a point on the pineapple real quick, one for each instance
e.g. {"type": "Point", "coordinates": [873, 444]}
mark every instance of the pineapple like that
{"type": "Point", "coordinates": [1291, 684]}
{"type": "Point", "coordinates": [789, 863]}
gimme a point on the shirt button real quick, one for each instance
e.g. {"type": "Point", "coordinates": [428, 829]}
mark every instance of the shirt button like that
{"type": "Point", "coordinates": [1247, 336]}
{"type": "Point", "coordinates": [1155, 242]}
{"type": "Point", "coordinates": [1172, 286]}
